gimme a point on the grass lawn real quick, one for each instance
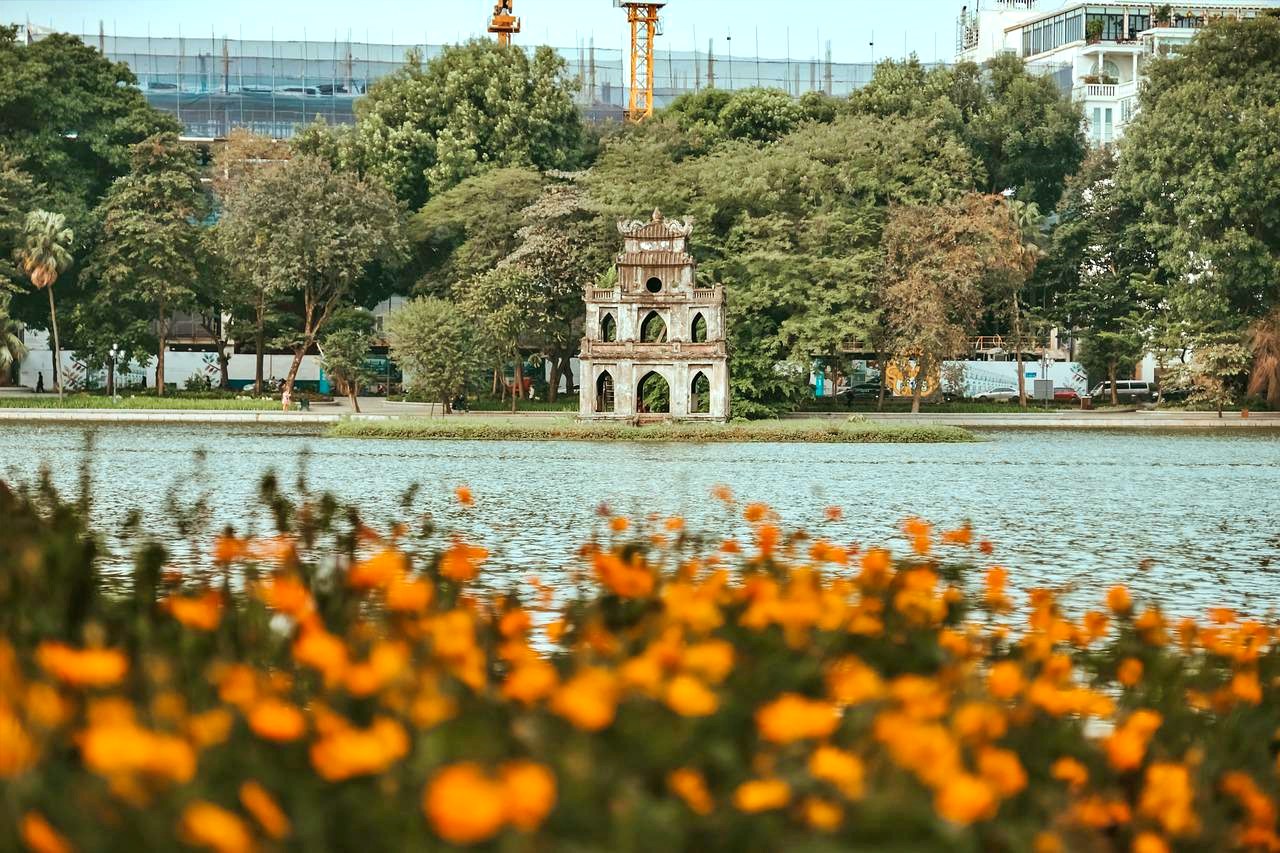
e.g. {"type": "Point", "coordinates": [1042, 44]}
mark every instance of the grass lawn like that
{"type": "Point", "coordinates": [94, 401]}
{"type": "Point", "coordinates": [565, 429]}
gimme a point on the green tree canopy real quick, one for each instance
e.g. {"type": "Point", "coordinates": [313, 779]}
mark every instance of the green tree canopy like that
{"type": "Point", "coordinates": [476, 106]}
{"type": "Point", "coordinates": [437, 345]}
{"type": "Point", "coordinates": [149, 247]}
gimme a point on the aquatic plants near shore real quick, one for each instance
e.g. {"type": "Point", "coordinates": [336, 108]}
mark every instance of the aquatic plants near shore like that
{"type": "Point", "coordinates": [336, 686]}
{"type": "Point", "coordinates": [854, 431]}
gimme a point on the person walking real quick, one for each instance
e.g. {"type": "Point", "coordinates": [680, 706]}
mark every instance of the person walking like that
{"type": "Point", "coordinates": [40, 382]}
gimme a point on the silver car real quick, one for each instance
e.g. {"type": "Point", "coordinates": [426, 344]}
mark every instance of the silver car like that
{"type": "Point", "coordinates": [997, 395]}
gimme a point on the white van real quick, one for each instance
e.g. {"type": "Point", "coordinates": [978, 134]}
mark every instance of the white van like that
{"type": "Point", "coordinates": [1127, 389]}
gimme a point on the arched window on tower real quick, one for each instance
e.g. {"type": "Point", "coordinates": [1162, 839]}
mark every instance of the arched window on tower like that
{"type": "Point", "coordinates": [653, 394]}
{"type": "Point", "coordinates": [608, 328]}
{"type": "Point", "coordinates": [604, 392]}
{"type": "Point", "coordinates": [654, 329]}
{"type": "Point", "coordinates": [700, 394]}
{"type": "Point", "coordinates": [698, 331]}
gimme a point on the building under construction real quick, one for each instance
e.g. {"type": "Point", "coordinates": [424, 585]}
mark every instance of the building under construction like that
{"type": "Point", "coordinates": [213, 84]}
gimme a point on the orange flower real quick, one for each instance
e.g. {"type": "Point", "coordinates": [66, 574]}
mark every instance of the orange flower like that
{"type": "Point", "coordinates": [962, 535]}
{"type": "Point", "coordinates": [277, 720]}
{"type": "Point", "coordinates": [589, 700]}
{"type": "Point", "coordinates": [347, 751]}
{"type": "Point", "coordinates": [531, 681]}
{"type": "Point", "coordinates": [919, 532]}
{"type": "Point", "coordinates": [1149, 842]}
{"type": "Point", "coordinates": [688, 785]}
{"type": "Point", "coordinates": [82, 667]}
{"type": "Point", "coordinates": [464, 805]}
{"type": "Point", "coordinates": [463, 494]}
{"type": "Point", "coordinates": [1118, 600]}
{"type": "Point", "coordinates": [842, 769]}
{"type": "Point", "coordinates": [964, 799]}
{"type": "Point", "coordinates": [833, 513]}
{"type": "Point", "coordinates": [1071, 771]}
{"type": "Point", "coordinates": [619, 524]}
{"type": "Point", "coordinates": [209, 728]}
{"type": "Point", "coordinates": [379, 570]}
{"type": "Point", "coordinates": [265, 810]}
{"type": "Point", "coordinates": [1129, 673]}
{"type": "Point", "coordinates": [767, 536]}
{"type": "Point", "coordinates": [629, 579]}
{"type": "Point", "coordinates": [722, 493]}
{"type": "Point", "coordinates": [754, 512]}
{"type": "Point", "coordinates": [793, 717]}
{"type": "Point", "coordinates": [286, 594]}
{"type": "Point", "coordinates": [1245, 687]}
{"type": "Point", "coordinates": [322, 651]}
{"type": "Point", "coordinates": [1167, 798]}
{"type": "Point", "coordinates": [822, 815]}
{"type": "Point", "coordinates": [204, 824]}
{"type": "Point", "coordinates": [712, 659]}
{"type": "Point", "coordinates": [1001, 769]}
{"type": "Point", "coordinates": [1127, 745]}
{"type": "Point", "coordinates": [18, 752]}
{"type": "Point", "coordinates": [228, 548]}
{"type": "Point", "coordinates": [689, 697]}
{"type": "Point", "coordinates": [41, 837]}
{"type": "Point", "coordinates": [761, 795]}
{"type": "Point", "coordinates": [1005, 681]}
{"type": "Point", "coordinates": [530, 793]}
{"type": "Point", "coordinates": [462, 562]}
{"type": "Point", "coordinates": [408, 595]}
{"type": "Point", "coordinates": [199, 612]}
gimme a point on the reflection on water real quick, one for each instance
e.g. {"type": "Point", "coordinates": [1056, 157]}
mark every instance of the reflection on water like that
{"type": "Point", "coordinates": [1065, 508]}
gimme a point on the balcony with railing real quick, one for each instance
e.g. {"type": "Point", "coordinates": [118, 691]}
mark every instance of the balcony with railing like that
{"type": "Point", "coordinates": [1105, 91]}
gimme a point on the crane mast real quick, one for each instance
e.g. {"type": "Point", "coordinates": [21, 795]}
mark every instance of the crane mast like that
{"type": "Point", "coordinates": [644, 20]}
{"type": "Point", "coordinates": [504, 22]}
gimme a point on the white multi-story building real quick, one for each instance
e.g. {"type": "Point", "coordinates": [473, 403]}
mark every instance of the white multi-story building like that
{"type": "Point", "coordinates": [1102, 46]}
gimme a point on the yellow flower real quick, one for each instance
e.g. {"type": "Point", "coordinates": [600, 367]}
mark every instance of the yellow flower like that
{"type": "Point", "coordinates": [204, 824]}
{"type": "Point", "coordinates": [822, 815]}
{"type": "Point", "coordinates": [41, 837]}
{"type": "Point", "coordinates": [1129, 673]}
{"type": "Point", "coordinates": [82, 667]}
{"type": "Point", "coordinates": [530, 792]}
{"type": "Point", "coordinates": [688, 785]}
{"type": "Point", "coordinates": [689, 697]}
{"type": "Point", "coordinates": [761, 795]}
{"type": "Point", "coordinates": [964, 799]}
{"type": "Point", "coordinates": [793, 717]}
{"type": "Point", "coordinates": [462, 562]}
{"type": "Point", "coordinates": [265, 810]}
{"type": "Point", "coordinates": [588, 700]}
{"type": "Point", "coordinates": [842, 769]}
{"type": "Point", "coordinates": [198, 612]}
{"type": "Point", "coordinates": [277, 720]}
{"type": "Point", "coordinates": [464, 805]}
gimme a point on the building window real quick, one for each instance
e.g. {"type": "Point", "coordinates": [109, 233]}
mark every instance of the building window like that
{"type": "Point", "coordinates": [654, 329]}
{"type": "Point", "coordinates": [1107, 133]}
{"type": "Point", "coordinates": [698, 330]}
{"type": "Point", "coordinates": [700, 394]}
{"type": "Point", "coordinates": [608, 329]}
{"type": "Point", "coordinates": [1095, 126]}
{"type": "Point", "coordinates": [653, 285]}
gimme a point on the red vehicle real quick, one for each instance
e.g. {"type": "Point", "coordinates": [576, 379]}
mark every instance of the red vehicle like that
{"type": "Point", "coordinates": [1065, 395]}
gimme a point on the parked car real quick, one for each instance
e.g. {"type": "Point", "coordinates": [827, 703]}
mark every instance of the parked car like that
{"type": "Point", "coordinates": [861, 391]}
{"type": "Point", "coordinates": [997, 395]}
{"type": "Point", "coordinates": [1173, 394]}
{"type": "Point", "coordinates": [1125, 390]}
{"type": "Point", "coordinates": [1065, 395]}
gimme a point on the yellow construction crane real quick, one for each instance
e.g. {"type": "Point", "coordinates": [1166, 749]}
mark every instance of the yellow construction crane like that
{"type": "Point", "coordinates": [643, 17]}
{"type": "Point", "coordinates": [503, 22]}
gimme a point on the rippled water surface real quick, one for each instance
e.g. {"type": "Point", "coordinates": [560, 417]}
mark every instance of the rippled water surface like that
{"type": "Point", "coordinates": [1065, 508]}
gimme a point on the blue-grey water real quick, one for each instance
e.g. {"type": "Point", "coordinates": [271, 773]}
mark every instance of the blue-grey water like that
{"type": "Point", "coordinates": [1190, 518]}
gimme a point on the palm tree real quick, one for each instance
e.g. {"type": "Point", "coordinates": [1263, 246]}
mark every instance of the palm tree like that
{"type": "Point", "coordinates": [1264, 340]}
{"type": "Point", "coordinates": [12, 349]}
{"type": "Point", "coordinates": [45, 254]}
{"type": "Point", "coordinates": [1030, 225]}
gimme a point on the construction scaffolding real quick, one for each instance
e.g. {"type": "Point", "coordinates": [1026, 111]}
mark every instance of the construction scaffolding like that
{"type": "Point", "coordinates": [213, 84]}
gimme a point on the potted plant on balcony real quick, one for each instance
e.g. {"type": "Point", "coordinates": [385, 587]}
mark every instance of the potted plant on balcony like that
{"type": "Point", "coordinates": [1092, 78]}
{"type": "Point", "coordinates": [1093, 32]}
{"type": "Point", "coordinates": [1163, 15]}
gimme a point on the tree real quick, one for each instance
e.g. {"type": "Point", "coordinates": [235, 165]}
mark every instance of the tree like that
{"type": "Point", "coordinates": [18, 194]}
{"type": "Point", "coordinates": [344, 352]}
{"type": "Point", "coordinates": [1029, 225]}
{"type": "Point", "coordinates": [150, 248]}
{"type": "Point", "coordinates": [437, 345]}
{"type": "Point", "coordinates": [760, 115]}
{"type": "Point", "coordinates": [496, 300]}
{"type": "Point", "coordinates": [939, 260]}
{"type": "Point", "coordinates": [1217, 359]}
{"type": "Point", "coordinates": [44, 255]}
{"type": "Point", "coordinates": [1264, 343]}
{"type": "Point", "coordinates": [12, 349]}
{"type": "Point", "coordinates": [474, 107]}
{"type": "Point", "coordinates": [1201, 163]}
{"type": "Point", "coordinates": [308, 233]}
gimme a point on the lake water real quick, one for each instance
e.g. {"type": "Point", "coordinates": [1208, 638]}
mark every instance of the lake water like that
{"type": "Point", "coordinates": [1075, 509]}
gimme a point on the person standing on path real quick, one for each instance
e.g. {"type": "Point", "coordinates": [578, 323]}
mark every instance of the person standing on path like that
{"type": "Point", "coordinates": [40, 382]}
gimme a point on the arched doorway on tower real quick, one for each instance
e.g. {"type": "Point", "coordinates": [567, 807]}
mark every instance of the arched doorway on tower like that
{"type": "Point", "coordinates": [604, 392]}
{"type": "Point", "coordinates": [653, 395]}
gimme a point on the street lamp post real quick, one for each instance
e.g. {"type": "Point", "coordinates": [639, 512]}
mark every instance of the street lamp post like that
{"type": "Point", "coordinates": [111, 374]}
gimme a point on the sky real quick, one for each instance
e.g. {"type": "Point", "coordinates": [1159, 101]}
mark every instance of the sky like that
{"type": "Point", "coordinates": [859, 30]}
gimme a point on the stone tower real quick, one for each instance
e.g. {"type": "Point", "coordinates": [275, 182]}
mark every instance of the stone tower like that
{"type": "Point", "coordinates": [654, 346]}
